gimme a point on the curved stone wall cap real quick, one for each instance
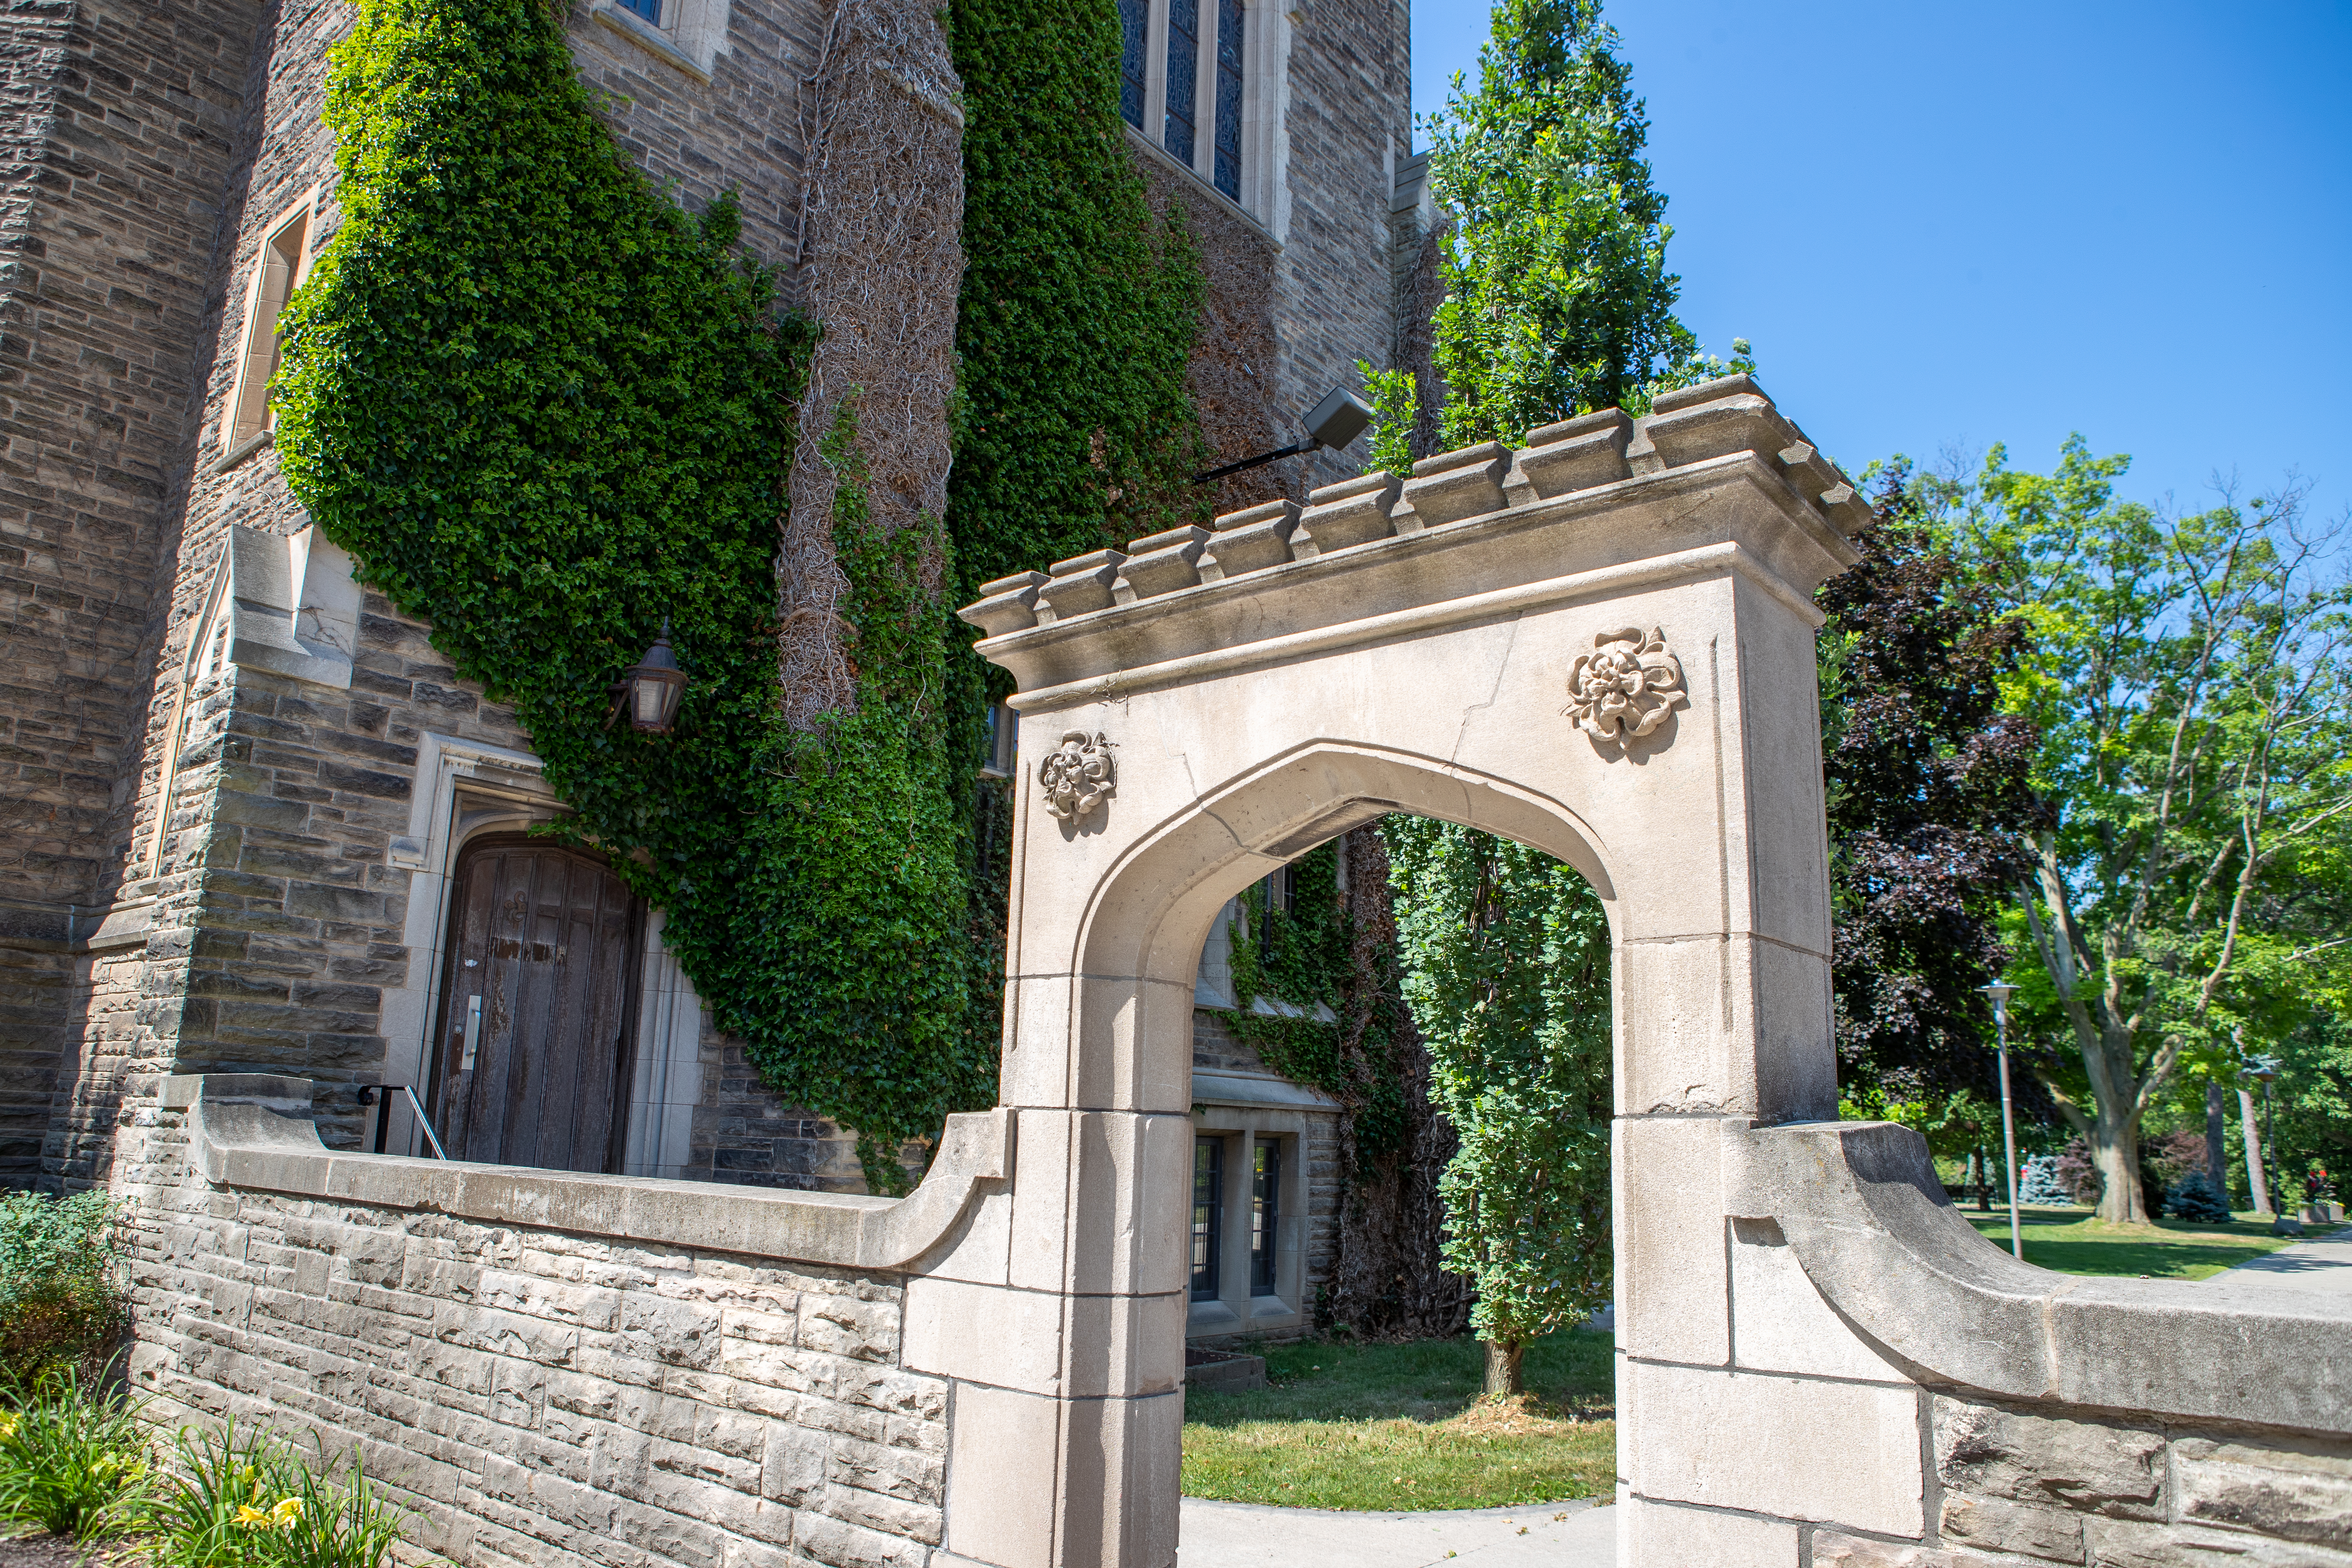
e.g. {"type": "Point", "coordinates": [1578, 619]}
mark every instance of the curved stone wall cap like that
{"type": "Point", "coordinates": [254, 1131]}
{"type": "Point", "coordinates": [1859, 1205]}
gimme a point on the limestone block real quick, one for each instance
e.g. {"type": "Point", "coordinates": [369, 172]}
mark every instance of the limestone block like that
{"type": "Point", "coordinates": [1833, 1550]}
{"type": "Point", "coordinates": [1678, 1052]}
{"type": "Point", "coordinates": [1093, 1043]}
{"type": "Point", "coordinates": [1673, 1291]}
{"type": "Point", "coordinates": [1254, 539]}
{"type": "Point", "coordinates": [1795, 1449]}
{"type": "Point", "coordinates": [1452, 486]}
{"type": "Point", "coordinates": [1779, 1321]}
{"type": "Point", "coordinates": [1354, 512]}
{"type": "Point", "coordinates": [1007, 605]}
{"type": "Point", "coordinates": [1083, 1346]}
{"type": "Point", "coordinates": [1716, 420]}
{"type": "Point", "coordinates": [1122, 1481]}
{"type": "Point", "coordinates": [1002, 1465]}
{"type": "Point", "coordinates": [1994, 1525]}
{"type": "Point", "coordinates": [1576, 454]}
{"type": "Point", "coordinates": [2078, 1462]}
{"type": "Point", "coordinates": [1161, 564]}
{"type": "Point", "coordinates": [839, 1325]}
{"type": "Point", "coordinates": [1100, 1201]}
{"type": "Point", "coordinates": [838, 1543]}
{"type": "Point", "coordinates": [676, 1333]}
{"type": "Point", "coordinates": [2131, 1543]}
{"type": "Point", "coordinates": [1670, 1535]}
{"type": "Point", "coordinates": [1079, 585]}
{"type": "Point", "coordinates": [2298, 1489]}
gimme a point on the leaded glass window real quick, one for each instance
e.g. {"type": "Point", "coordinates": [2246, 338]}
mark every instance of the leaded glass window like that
{"type": "Point", "coordinates": [1183, 75]}
{"type": "Point", "coordinates": [1133, 17]}
{"type": "Point", "coordinates": [1229, 98]}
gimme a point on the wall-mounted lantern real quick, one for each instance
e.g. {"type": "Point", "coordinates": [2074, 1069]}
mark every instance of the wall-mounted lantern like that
{"type": "Point", "coordinates": [651, 688]}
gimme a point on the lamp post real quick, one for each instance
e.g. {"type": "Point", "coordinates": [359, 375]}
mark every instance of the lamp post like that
{"type": "Point", "coordinates": [2000, 994]}
{"type": "Point", "coordinates": [2266, 1068]}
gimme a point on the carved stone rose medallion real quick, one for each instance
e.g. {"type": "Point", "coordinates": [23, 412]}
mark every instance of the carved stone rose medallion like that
{"type": "Point", "coordinates": [1626, 687]}
{"type": "Point", "coordinates": [1079, 775]}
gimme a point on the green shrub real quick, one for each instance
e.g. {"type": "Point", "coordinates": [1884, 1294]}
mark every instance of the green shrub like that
{"type": "Point", "coordinates": [251, 1500]}
{"type": "Point", "coordinates": [61, 1291]}
{"type": "Point", "coordinates": [73, 1454]}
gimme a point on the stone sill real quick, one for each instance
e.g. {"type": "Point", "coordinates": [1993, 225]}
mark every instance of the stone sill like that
{"type": "Point", "coordinates": [254, 1131]}
{"type": "Point", "coordinates": [647, 36]}
{"type": "Point", "coordinates": [241, 451]}
{"type": "Point", "coordinates": [1859, 1205]}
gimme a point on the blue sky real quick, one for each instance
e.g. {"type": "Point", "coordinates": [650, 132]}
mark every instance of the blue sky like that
{"type": "Point", "coordinates": [1947, 225]}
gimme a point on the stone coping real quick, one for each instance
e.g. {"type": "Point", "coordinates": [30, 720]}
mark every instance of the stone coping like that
{"type": "Point", "coordinates": [1859, 1203]}
{"type": "Point", "coordinates": [254, 1131]}
{"type": "Point", "coordinates": [1715, 481]}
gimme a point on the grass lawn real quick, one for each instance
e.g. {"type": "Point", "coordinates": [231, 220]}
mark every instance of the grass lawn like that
{"type": "Point", "coordinates": [1400, 1426]}
{"type": "Point", "coordinates": [2071, 1242]}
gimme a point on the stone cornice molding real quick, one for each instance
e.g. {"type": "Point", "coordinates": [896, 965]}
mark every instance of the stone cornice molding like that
{"type": "Point", "coordinates": [254, 1131]}
{"type": "Point", "coordinates": [1715, 483]}
{"type": "Point", "coordinates": [1860, 1206]}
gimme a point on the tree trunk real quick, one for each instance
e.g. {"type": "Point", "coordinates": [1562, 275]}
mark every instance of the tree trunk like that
{"type": "Point", "coordinates": [2114, 1154]}
{"type": "Point", "coordinates": [2256, 1184]}
{"type": "Point", "coordinates": [1504, 1372]}
{"type": "Point", "coordinates": [2216, 1157]}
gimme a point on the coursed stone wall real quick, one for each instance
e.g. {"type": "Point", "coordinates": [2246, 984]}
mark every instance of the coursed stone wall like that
{"type": "Point", "coordinates": [2021, 1486]}
{"type": "Point", "coordinates": [545, 1394]}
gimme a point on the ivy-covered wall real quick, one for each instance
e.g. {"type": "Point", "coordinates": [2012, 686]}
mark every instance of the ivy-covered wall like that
{"type": "Point", "coordinates": [546, 410]}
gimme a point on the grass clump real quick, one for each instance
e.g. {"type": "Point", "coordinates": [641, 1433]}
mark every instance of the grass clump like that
{"type": "Point", "coordinates": [73, 1454]}
{"type": "Point", "coordinates": [1403, 1426]}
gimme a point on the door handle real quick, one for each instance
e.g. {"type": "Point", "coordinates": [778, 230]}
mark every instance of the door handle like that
{"type": "Point", "coordinates": [473, 1032]}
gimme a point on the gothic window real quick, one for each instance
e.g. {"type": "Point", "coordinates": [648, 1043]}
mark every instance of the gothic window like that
{"type": "Point", "coordinates": [1228, 177]}
{"type": "Point", "coordinates": [649, 9]}
{"type": "Point", "coordinates": [1183, 75]}
{"type": "Point", "coordinates": [1134, 19]}
{"type": "Point", "coordinates": [277, 271]}
{"type": "Point", "coordinates": [1195, 79]}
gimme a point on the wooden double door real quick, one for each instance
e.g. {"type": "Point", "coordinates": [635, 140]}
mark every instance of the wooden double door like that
{"type": "Point", "coordinates": [539, 994]}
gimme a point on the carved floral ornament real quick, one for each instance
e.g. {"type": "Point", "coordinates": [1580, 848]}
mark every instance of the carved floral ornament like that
{"type": "Point", "coordinates": [1626, 687]}
{"type": "Point", "coordinates": [1078, 775]}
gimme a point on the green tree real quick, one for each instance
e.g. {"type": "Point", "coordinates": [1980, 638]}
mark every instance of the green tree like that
{"type": "Point", "coordinates": [1558, 302]}
{"type": "Point", "coordinates": [1506, 953]}
{"type": "Point", "coordinates": [2189, 679]}
{"type": "Point", "coordinates": [1557, 296]}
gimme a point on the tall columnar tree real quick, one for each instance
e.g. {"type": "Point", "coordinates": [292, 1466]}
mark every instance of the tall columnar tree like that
{"type": "Point", "coordinates": [1558, 302]}
{"type": "Point", "coordinates": [1505, 960]}
{"type": "Point", "coordinates": [1557, 296]}
{"type": "Point", "coordinates": [2191, 679]}
{"type": "Point", "coordinates": [1930, 800]}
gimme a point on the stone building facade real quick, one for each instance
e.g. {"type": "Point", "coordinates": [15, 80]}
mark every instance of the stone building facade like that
{"type": "Point", "coordinates": [242, 794]}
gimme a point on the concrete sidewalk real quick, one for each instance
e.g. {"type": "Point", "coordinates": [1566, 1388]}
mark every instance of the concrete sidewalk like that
{"type": "Point", "coordinates": [2321, 1266]}
{"type": "Point", "coordinates": [1540, 1535]}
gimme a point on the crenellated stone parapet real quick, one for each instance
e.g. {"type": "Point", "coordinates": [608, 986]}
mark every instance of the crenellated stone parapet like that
{"type": "Point", "coordinates": [1590, 495]}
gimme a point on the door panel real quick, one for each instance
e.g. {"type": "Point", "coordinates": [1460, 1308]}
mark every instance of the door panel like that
{"type": "Point", "coordinates": [546, 939]}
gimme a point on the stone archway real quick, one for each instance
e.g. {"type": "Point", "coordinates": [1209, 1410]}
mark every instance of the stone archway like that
{"type": "Point", "coordinates": [1217, 702]}
{"type": "Point", "coordinates": [1819, 1362]}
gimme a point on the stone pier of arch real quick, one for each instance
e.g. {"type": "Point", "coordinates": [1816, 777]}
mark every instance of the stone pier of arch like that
{"type": "Point", "coordinates": [1601, 644]}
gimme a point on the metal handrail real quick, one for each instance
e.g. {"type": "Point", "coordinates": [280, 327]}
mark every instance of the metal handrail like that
{"type": "Point", "coordinates": [367, 1093]}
